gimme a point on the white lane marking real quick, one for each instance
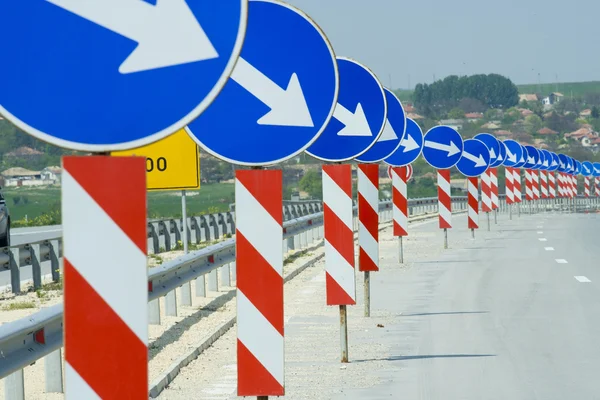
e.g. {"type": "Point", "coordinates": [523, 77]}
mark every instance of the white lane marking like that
{"type": "Point", "coordinates": [582, 279]}
{"type": "Point", "coordinates": [549, 248]}
{"type": "Point", "coordinates": [561, 261]}
{"type": "Point", "coordinates": [543, 239]}
{"type": "Point", "coordinates": [540, 232]}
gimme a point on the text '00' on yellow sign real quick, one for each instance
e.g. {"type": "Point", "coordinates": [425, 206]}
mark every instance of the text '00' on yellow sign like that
{"type": "Point", "coordinates": [172, 163]}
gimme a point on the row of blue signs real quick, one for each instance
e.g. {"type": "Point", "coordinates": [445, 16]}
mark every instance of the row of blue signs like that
{"type": "Point", "coordinates": [255, 82]}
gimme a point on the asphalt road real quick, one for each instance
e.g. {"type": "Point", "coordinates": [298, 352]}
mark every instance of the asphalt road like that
{"type": "Point", "coordinates": [512, 315]}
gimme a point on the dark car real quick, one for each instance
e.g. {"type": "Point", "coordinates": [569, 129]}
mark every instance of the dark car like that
{"type": "Point", "coordinates": [4, 223]}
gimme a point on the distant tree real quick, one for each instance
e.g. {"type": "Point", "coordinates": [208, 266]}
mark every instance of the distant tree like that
{"type": "Point", "coordinates": [311, 183]}
{"type": "Point", "coordinates": [569, 105]}
{"type": "Point", "coordinates": [533, 123]}
{"type": "Point", "coordinates": [472, 105]}
{"type": "Point", "coordinates": [492, 114]}
{"type": "Point", "coordinates": [511, 116]}
{"type": "Point", "coordinates": [561, 123]}
{"type": "Point", "coordinates": [456, 113]}
{"type": "Point", "coordinates": [534, 106]}
{"type": "Point", "coordinates": [595, 112]}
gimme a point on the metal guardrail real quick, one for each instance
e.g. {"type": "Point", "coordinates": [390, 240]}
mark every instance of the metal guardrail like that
{"type": "Point", "coordinates": [24, 341]}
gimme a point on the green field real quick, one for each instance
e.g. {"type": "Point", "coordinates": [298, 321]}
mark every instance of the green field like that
{"type": "Point", "coordinates": [33, 202]}
{"type": "Point", "coordinates": [577, 89]}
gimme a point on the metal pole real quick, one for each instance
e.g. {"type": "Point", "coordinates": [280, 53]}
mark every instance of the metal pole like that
{"type": "Point", "coordinates": [496, 216]}
{"type": "Point", "coordinates": [510, 207]}
{"type": "Point", "coordinates": [488, 221]}
{"type": "Point", "coordinates": [445, 238]}
{"type": "Point", "coordinates": [344, 333]}
{"type": "Point", "coordinates": [472, 233]}
{"type": "Point", "coordinates": [186, 288]}
{"type": "Point", "coordinates": [401, 249]}
{"type": "Point", "coordinates": [367, 294]}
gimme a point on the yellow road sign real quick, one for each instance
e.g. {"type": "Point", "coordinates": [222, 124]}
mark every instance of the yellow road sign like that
{"type": "Point", "coordinates": [172, 163]}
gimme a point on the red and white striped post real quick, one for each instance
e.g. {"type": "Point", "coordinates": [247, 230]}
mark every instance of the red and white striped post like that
{"type": "Point", "coordinates": [517, 188]}
{"type": "Point", "coordinates": [339, 244]}
{"type": "Point", "coordinates": [529, 189]}
{"type": "Point", "coordinates": [486, 195]}
{"type": "Point", "coordinates": [544, 184]}
{"type": "Point", "coordinates": [259, 264]}
{"type": "Point", "coordinates": [444, 202]}
{"type": "Point", "coordinates": [368, 226]}
{"type": "Point", "coordinates": [560, 184]}
{"type": "Point", "coordinates": [535, 185]}
{"type": "Point", "coordinates": [400, 210]}
{"type": "Point", "coordinates": [586, 185]}
{"type": "Point", "coordinates": [575, 185]}
{"type": "Point", "coordinates": [106, 292]}
{"type": "Point", "coordinates": [495, 192]}
{"type": "Point", "coordinates": [597, 181]}
{"type": "Point", "coordinates": [551, 185]}
{"type": "Point", "coordinates": [510, 190]}
{"type": "Point", "coordinates": [473, 200]}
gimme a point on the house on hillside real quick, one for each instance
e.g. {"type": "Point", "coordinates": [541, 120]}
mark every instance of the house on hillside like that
{"type": "Point", "coordinates": [547, 132]}
{"type": "Point", "coordinates": [528, 97]}
{"type": "Point", "coordinates": [415, 116]}
{"type": "Point", "coordinates": [51, 174]}
{"type": "Point", "coordinates": [552, 99]}
{"type": "Point", "coordinates": [22, 177]}
{"type": "Point", "coordinates": [408, 108]}
{"type": "Point", "coordinates": [474, 117]}
{"type": "Point", "coordinates": [586, 113]}
{"type": "Point", "coordinates": [490, 126]}
{"type": "Point", "coordinates": [584, 135]}
{"type": "Point", "coordinates": [504, 134]}
{"type": "Point", "coordinates": [525, 112]}
{"type": "Point", "coordinates": [453, 123]}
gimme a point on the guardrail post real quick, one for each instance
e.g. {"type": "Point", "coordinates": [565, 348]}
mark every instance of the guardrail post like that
{"type": "Point", "coordinates": [14, 386]}
{"type": "Point", "coordinates": [171, 304]}
{"type": "Point", "coordinates": [213, 283]}
{"type": "Point", "coordinates": [154, 312]}
{"type": "Point", "coordinates": [153, 234]}
{"type": "Point", "coordinates": [297, 243]}
{"type": "Point", "coordinates": [225, 275]}
{"type": "Point", "coordinates": [233, 272]}
{"type": "Point", "coordinates": [201, 286]}
{"type": "Point", "coordinates": [15, 272]}
{"type": "Point", "coordinates": [53, 372]}
{"type": "Point", "coordinates": [309, 237]}
{"type": "Point", "coordinates": [36, 270]}
{"type": "Point", "coordinates": [214, 227]}
{"type": "Point", "coordinates": [290, 244]}
{"type": "Point", "coordinates": [175, 229]}
{"type": "Point", "coordinates": [162, 226]}
{"type": "Point", "coordinates": [53, 246]}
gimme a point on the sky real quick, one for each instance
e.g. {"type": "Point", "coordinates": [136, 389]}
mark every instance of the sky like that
{"type": "Point", "coordinates": [406, 42]}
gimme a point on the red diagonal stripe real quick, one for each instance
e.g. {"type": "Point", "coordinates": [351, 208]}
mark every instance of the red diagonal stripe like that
{"type": "Point", "coordinates": [259, 282]}
{"type": "Point", "coordinates": [400, 201]}
{"type": "Point", "coordinates": [372, 172]}
{"type": "Point", "coordinates": [338, 234]}
{"type": "Point", "coordinates": [99, 345]}
{"type": "Point", "coordinates": [398, 230]}
{"type": "Point", "coordinates": [342, 175]}
{"type": "Point", "coordinates": [253, 377]}
{"type": "Point", "coordinates": [365, 262]}
{"type": "Point", "coordinates": [444, 224]}
{"type": "Point", "coordinates": [368, 216]}
{"type": "Point", "coordinates": [266, 187]}
{"type": "Point", "coordinates": [444, 198]}
{"type": "Point", "coordinates": [336, 296]}
{"type": "Point", "coordinates": [124, 199]}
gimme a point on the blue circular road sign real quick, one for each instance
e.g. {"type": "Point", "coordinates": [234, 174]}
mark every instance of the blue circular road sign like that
{"type": "Point", "coordinates": [547, 159]}
{"type": "Point", "coordinates": [493, 146]}
{"type": "Point", "coordinates": [514, 153]}
{"type": "Point", "coordinates": [475, 158]}
{"type": "Point", "coordinates": [587, 168]}
{"type": "Point", "coordinates": [442, 147]}
{"type": "Point", "coordinates": [596, 169]}
{"type": "Point", "coordinates": [533, 158]}
{"type": "Point", "coordinates": [543, 163]}
{"type": "Point", "coordinates": [411, 147]}
{"type": "Point", "coordinates": [114, 75]}
{"type": "Point", "coordinates": [393, 132]}
{"type": "Point", "coordinates": [555, 163]}
{"type": "Point", "coordinates": [359, 117]}
{"type": "Point", "coordinates": [279, 97]}
{"type": "Point", "coordinates": [578, 168]}
{"type": "Point", "coordinates": [563, 163]}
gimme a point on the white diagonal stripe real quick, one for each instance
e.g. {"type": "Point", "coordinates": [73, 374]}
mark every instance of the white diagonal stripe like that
{"type": "Point", "coordinates": [368, 190]}
{"type": "Point", "coordinates": [494, 178]}
{"type": "Point", "coordinates": [494, 198]}
{"type": "Point", "coordinates": [517, 182]}
{"type": "Point", "coordinates": [474, 215]}
{"type": "Point", "coordinates": [339, 270]}
{"type": "Point", "coordinates": [485, 178]}
{"type": "Point", "coordinates": [76, 387]}
{"type": "Point", "coordinates": [337, 200]}
{"type": "Point", "coordinates": [260, 337]}
{"type": "Point", "coordinates": [258, 227]}
{"type": "Point", "coordinates": [473, 190]}
{"type": "Point", "coordinates": [443, 184]}
{"type": "Point", "coordinates": [105, 256]}
{"type": "Point", "coordinates": [368, 243]}
{"type": "Point", "coordinates": [400, 218]}
{"type": "Point", "coordinates": [445, 213]}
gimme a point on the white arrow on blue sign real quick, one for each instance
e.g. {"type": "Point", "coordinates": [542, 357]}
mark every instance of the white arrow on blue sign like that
{"type": "Point", "coordinates": [493, 145]}
{"type": "Point", "coordinates": [442, 147]}
{"type": "Point", "coordinates": [533, 157]}
{"type": "Point", "coordinates": [411, 147]}
{"type": "Point", "coordinates": [596, 169]}
{"type": "Point", "coordinates": [280, 96]}
{"type": "Point", "coordinates": [359, 117]}
{"type": "Point", "coordinates": [393, 132]}
{"type": "Point", "coordinates": [475, 158]}
{"type": "Point", "coordinates": [101, 75]}
{"type": "Point", "coordinates": [587, 168]}
{"type": "Point", "coordinates": [563, 163]}
{"type": "Point", "coordinates": [577, 167]}
{"type": "Point", "coordinates": [547, 159]}
{"type": "Point", "coordinates": [543, 163]}
{"type": "Point", "coordinates": [554, 163]}
{"type": "Point", "coordinates": [514, 153]}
